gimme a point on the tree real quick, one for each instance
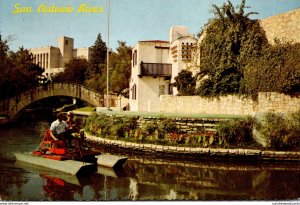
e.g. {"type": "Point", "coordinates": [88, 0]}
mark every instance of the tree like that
{"type": "Point", "coordinates": [18, 72]}
{"type": "Point", "coordinates": [185, 83]}
{"type": "Point", "coordinates": [120, 62]}
{"type": "Point", "coordinates": [75, 71]}
{"type": "Point", "coordinates": [231, 40]}
{"type": "Point", "coordinates": [98, 82]}
{"type": "Point", "coordinates": [3, 49]}
{"type": "Point", "coordinates": [98, 57]}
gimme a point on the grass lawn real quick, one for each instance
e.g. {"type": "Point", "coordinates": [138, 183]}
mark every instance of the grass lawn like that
{"type": "Point", "coordinates": [86, 109]}
{"type": "Point", "coordinates": [173, 115]}
{"type": "Point", "coordinates": [162, 114]}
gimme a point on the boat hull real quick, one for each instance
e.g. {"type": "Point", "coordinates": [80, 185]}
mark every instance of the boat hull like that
{"type": "Point", "coordinates": [68, 166]}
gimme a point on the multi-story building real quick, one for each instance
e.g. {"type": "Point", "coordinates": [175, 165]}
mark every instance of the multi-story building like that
{"type": "Point", "coordinates": [155, 64]}
{"type": "Point", "coordinates": [53, 59]}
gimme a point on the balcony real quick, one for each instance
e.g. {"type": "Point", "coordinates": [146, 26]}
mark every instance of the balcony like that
{"type": "Point", "coordinates": [156, 70]}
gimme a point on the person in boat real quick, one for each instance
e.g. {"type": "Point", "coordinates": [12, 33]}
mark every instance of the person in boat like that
{"type": "Point", "coordinates": [72, 128]}
{"type": "Point", "coordinates": [74, 131]}
{"type": "Point", "coordinates": [58, 128]}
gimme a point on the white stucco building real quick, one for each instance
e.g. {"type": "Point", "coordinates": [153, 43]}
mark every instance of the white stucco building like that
{"type": "Point", "coordinates": [155, 64]}
{"type": "Point", "coordinates": [53, 59]}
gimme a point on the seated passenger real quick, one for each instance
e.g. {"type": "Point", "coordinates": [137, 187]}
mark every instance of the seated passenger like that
{"type": "Point", "coordinates": [58, 128]}
{"type": "Point", "coordinates": [72, 127]}
{"type": "Point", "coordinates": [73, 131]}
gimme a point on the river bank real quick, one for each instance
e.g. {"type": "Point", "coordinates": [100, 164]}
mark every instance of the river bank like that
{"type": "Point", "coordinates": [192, 153]}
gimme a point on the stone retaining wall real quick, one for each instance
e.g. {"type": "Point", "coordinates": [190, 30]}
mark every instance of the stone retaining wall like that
{"type": "Point", "coordinates": [196, 152]}
{"type": "Point", "coordinates": [231, 104]}
{"type": "Point", "coordinates": [186, 125]}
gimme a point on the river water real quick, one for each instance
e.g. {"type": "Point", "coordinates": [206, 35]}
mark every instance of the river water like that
{"type": "Point", "coordinates": [141, 178]}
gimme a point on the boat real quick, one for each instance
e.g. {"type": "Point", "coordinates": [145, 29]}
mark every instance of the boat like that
{"type": "Point", "coordinates": [73, 160]}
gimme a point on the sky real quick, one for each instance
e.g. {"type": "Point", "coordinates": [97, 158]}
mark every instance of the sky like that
{"type": "Point", "coordinates": [130, 20]}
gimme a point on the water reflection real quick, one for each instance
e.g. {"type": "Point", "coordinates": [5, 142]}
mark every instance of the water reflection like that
{"type": "Point", "coordinates": [141, 178]}
{"type": "Point", "coordinates": [207, 181]}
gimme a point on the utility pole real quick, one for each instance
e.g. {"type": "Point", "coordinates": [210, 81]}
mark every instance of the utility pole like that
{"type": "Point", "coordinates": [107, 57]}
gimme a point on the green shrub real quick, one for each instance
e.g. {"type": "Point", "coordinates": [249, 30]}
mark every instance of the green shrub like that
{"type": "Point", "coordinates": [102, 125]}
{"type": "Point", "coordinates": [97, 124]}
{"type": "Point", "coordinates": [166, 126]}
{"type": "Point", "coordinates": [118, 130]}
{"type": "Point", "coordinates": [149, 128]}
{"type": "Point", "coordinates": [236, 132]}
{"type": "Point", "coordinates": [281, 132]}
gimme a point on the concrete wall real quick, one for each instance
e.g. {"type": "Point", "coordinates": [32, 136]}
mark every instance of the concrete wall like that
{"type": "Point", "coordinates": [270, 101]}
{"type": "Point", "coordinates": [47, 57]}
{"type": "Point", "coordinates": [82, 53]}
{"type": "Point", "coordinates": [283, 26]}
{"type": "Point", "coordinates": [148, 92]}
{"type": "Point", "coordinates": [66, 46]}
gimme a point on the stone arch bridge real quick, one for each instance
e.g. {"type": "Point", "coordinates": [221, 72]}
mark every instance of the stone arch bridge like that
{"type": "Point", "coordinates": [12, 106]}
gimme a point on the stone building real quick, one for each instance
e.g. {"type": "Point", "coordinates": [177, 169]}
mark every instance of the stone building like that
{"type": "Point", "coordinates": [53, 59]}
{"type": "Point", "coordinates": [285, 26]}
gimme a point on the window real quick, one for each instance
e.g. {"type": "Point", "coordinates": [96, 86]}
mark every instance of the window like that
{"type": "Point", "coordinates": [66, 42]}
{"type": "Point", "coordinates": [133, 92]}
{"type": "Point", "coordinates": [161, 89]}
{"type": "Point", "coordinates": [135, 57]}
{"type": "Point", "coordinates": [170, 89]}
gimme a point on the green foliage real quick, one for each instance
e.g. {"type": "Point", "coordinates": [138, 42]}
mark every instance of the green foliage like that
{"type": "Point", "coordinates": [231, 38]}
{"type": "Point", "coordinates": [149, 128]}
{"type": "Point", "coordinates": [282, 132]}
{"type": "Point", "coordinates": [18, 73]}
{"type": "Point", "coordinates": [108, 126]}
{"type": "Point", "coordinates": [98, 125]}
{"type": "Point", "coordinates": [95, 74]}
{"type": "Point", "coordinates": [277, 70]}
{"type": "Point", "coordinates": [120, 62]}
{"type": "Point", "coordinates": [236, 132]}
{"type": "Point", "coordinates": [236, 58]}
{"type": "Point", "coordinates": [185, 83]}
{"type": "Point", "coordinates": [167, 126]}
{"type": "Point", "coordinates": [98, 57]}
{"type": "Point", "coordinates": [97, 82]}
{"type": "Point", "coordinates": [75, 71]}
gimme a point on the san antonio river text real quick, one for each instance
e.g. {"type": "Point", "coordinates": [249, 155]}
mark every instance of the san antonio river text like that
{"type": "Point", "coordinates": [44, 8]}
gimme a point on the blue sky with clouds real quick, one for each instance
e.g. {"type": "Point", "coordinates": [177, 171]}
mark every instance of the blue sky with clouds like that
{"type": "Point", "coordinates": [130, 20]}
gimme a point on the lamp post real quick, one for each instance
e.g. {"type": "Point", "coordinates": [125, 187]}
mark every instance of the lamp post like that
{"type": "Point", "coordinates": [107, 57]}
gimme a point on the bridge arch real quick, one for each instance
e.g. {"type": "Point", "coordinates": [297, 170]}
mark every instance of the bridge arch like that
{"type": "Point", "coordinates": [12, 106]}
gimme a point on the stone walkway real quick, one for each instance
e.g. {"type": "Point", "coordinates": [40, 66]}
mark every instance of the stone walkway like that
{"type": "Point", "coordinates": [247, 154]}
